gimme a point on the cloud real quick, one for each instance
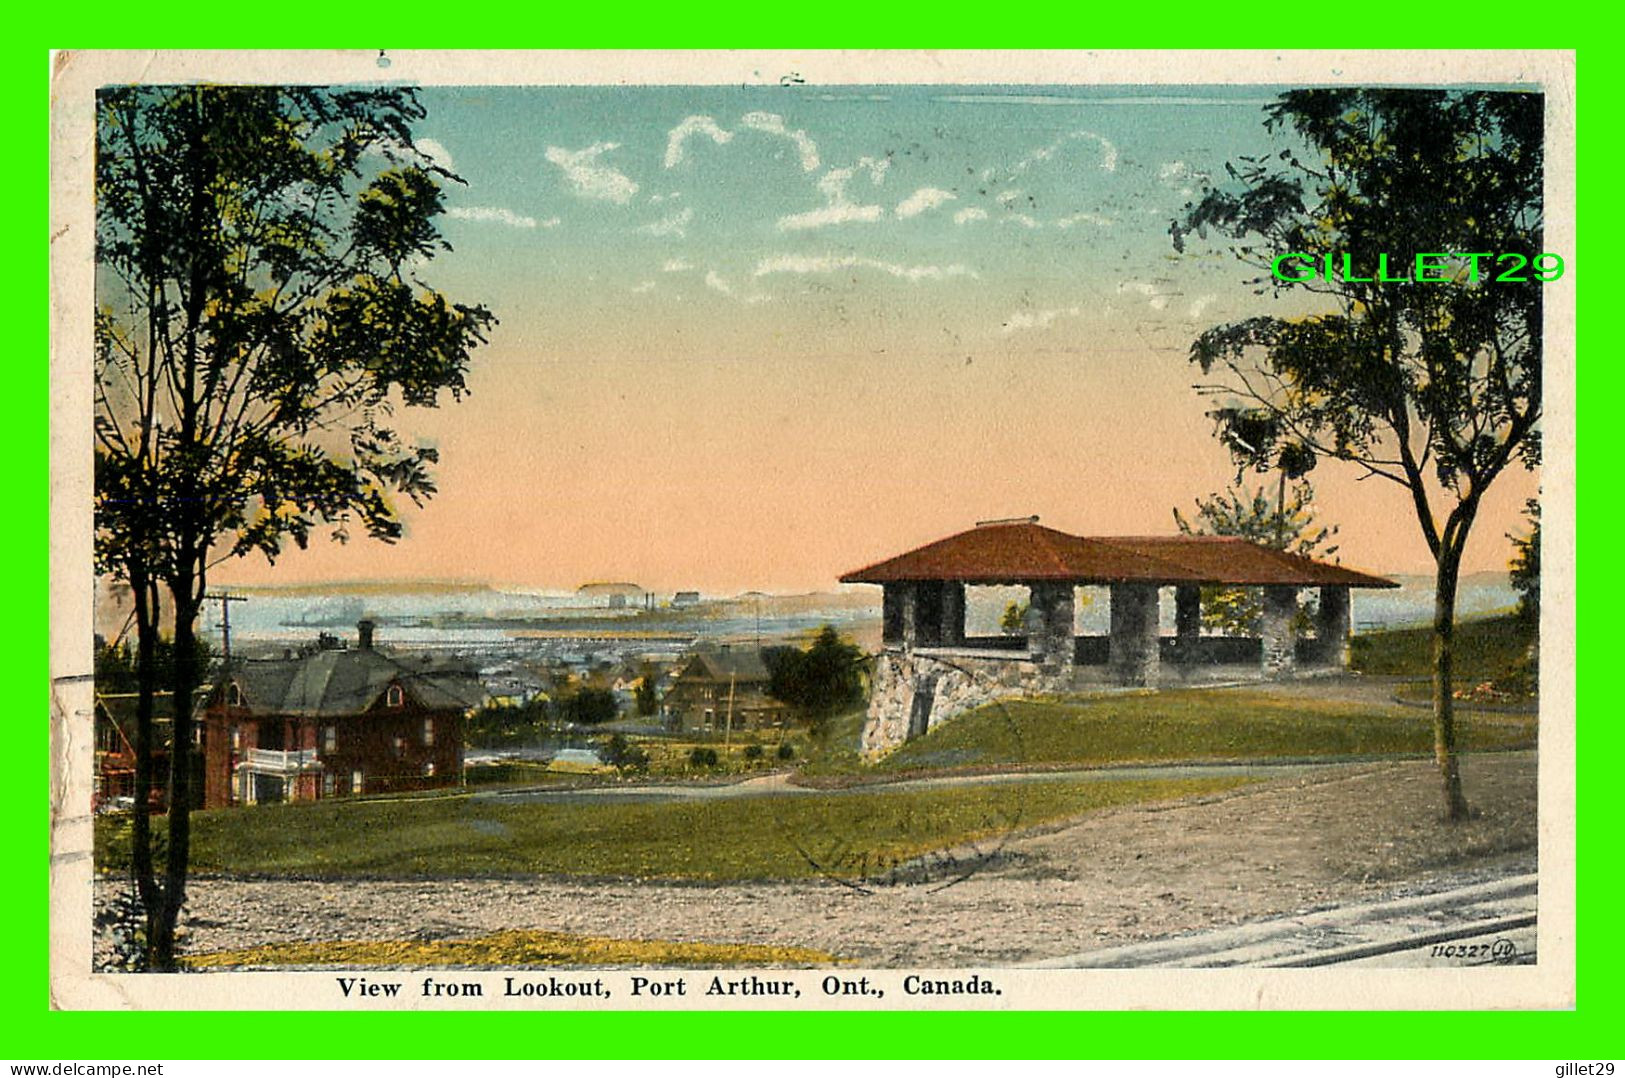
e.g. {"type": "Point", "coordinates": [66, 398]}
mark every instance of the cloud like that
{"type": "Point", "coordinates": [764, 122]}
{"type": "Point", "coordinates": [1084, 219]}
{"type": "Point", "coordinates": [926, 198]}
{"type": "Point", "coordinates": [643, 286]}
{"type": "Point", "coordinates": [1021, 219]}
{"type": "Point", "coordinates": [1007, 197]}
{"type": "Point", "coordinates": [970, 213]}
{"type": "Point", "coordinates": [498, 215]}
{"type": "Point", "coordinates": [692, 125]}
{"type": "Point", "coordinates": [1021, 320]}
{"type": "Point", "coordinates": [718, 283]}
{"type": "Point", "coordinates": [1156, 298]}
{"type": "Point", "coordinates": [676, 265]}
{"type": "Point", "coordinates": [590, 179]}
{"type": "Point", "coordinates": [769, 124]}
{"type": "Point", "coordinates": [839, 208]}
{"type": "Point", "coordinates": [834, 263]}
{"type": "Point", "coordinates": [675, 225]}
{"type": "Point", "coordinates": [1108, 151]}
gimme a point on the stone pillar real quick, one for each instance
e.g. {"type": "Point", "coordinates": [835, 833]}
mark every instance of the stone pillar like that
{"type": "Point", "coordinates": [1280, 629]}
{"type": "Point", "coordinates": [1050, 638]}
{"type": "Point", "coordinates": [1332, 625]}
{"type": "Point", "coordinates": [1188, 620]}
{"type": "Point", "coordinates": [1135, 658]}
{"type": "Point", "coordinates": [894, 616]}
{"type": "Point", "coordinates": [953, 615]}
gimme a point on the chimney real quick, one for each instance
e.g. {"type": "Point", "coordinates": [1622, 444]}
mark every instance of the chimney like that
{"type": "Point", "coordinates": [364, 629]}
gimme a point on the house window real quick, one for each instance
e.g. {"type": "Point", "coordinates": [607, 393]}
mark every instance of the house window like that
{"type": "Point", "coordinates": [398, 744]}
{"type": "Point", "coordinates": [330, 738]}
{"type": "Point", "coordinates": [329, 783]}
{"type": "Point", "coordinates": [394, 697]}
{"type": "Point", "coordinates": [428, 732]}
{"type": "Point", "coordinates": [236, 737]}
{"type": "Point", "coordinates": [234, 695]}
{"type": "Point", "coordinates": [355, 782]}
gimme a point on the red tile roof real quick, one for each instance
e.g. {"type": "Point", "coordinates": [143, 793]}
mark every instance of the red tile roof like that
{"type": "Point", "coordinates": [1021, 551]}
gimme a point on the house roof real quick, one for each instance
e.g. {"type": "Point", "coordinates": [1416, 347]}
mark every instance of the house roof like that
{"type": "Point", "coordinates": [743, 665]}
{"type": "Point", "coordinates": [348, 682]}
{"type": "Point", "coordinates": [1024, 551]}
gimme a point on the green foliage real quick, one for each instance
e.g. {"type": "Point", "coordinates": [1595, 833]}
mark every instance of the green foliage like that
{"type": "Point", "coordinates": [1525, 567]}
{"type": "Point", "coordinates": [507, 726]}
{"type": "Point", "coordinates": [646, 699]}
{"type": "Point", "coordinates": [702, 757]}
{"type": "Point", "coordinates": [1014, 620]}
{"type": "Point", "coordinates": [1402, 380]}
{"type": "Point", "coordinates": [257, 259]}
{"type": "Point", "coordinates": [786, 751]}
{"type": "Point", "coordinates": [623, 755]}
{"type": "Point", "coordinates": [754, 752]}
{"type": "Point", "coordinates": [115, 664]}
{"type": "Point", "coordinates": [823, 679]}
{"type": "Point", "coordinates": [589, 707]}
{"type": "Point", "coordinates": [1254, 516]}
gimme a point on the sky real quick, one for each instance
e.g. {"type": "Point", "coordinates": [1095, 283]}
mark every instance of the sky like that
{"type": "Point", "coordinates": [758, 337]}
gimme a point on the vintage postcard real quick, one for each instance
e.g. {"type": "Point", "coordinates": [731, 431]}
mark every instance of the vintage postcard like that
{"type": "Point", "coordinates": [813, 531]}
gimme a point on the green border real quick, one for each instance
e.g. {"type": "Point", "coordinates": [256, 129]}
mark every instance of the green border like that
{"type": "Point", "coordinates": [33, 1031]}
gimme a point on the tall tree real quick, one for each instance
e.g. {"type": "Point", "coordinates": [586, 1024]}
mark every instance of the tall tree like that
{"type": "Point", "coordinates": [259, 319]}
{"type": "Point", "coordinates": [1433, 385]}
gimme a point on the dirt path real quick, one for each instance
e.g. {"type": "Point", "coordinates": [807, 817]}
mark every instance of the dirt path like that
{"type": "Point", "coordinates": [1315, 839]}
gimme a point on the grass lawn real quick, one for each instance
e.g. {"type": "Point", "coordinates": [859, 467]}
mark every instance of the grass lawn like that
{"type": "Point", "coordinates": [1191, 724]}
{"type": "Point", "coordinates": [1486, 649]}
{"type": "Point", "coordinates": [509, 949]}
{"type": "Point", "coordinates": [730, 839]}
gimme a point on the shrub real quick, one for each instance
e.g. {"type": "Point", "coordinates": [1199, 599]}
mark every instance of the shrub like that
{"type": "Point", "coordinates": [702, 757]}
{"type": "Point", "coordinates": [753, 752]}
{"type": "Point", "coordinates": [787, 751]}
{"type": "Point", "coordinates": [622, 755]}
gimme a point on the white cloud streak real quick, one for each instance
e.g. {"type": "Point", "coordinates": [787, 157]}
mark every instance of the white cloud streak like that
{"type": "Point", "coordinates": [675, 225]}
{"type": "Point", "coordinates": [762, 122]}
{"type": "Point", "coordinates": [1021, 320]}
{"type": "Point", "coordinates": [926, 198]}
{"type": "Point", "coordinates": [839, 208]}
{"type": "Point", "coordinates": [969, 214]}
{"type": "Point", "coordinates": [498, 215]}
{"type": "Point", "coordinates": [589, 178]}
{"type": "Point", "coordinates": [825, 264]}
{"type": "Point", "coordinates": [676, 265]}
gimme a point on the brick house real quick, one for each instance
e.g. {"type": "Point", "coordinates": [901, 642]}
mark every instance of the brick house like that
{"type": "Point", "coordinates": [721, 688]}
{"type": "Point", "coordinates": [333, 723]}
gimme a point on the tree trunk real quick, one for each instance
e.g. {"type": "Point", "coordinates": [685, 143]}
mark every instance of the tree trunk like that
{"type": "Point", "coordinates": [1444, 703]}
{"type": "Point", "coordinates": [146, 638]}
{"type": "Point", "coordinates": [184, 594]}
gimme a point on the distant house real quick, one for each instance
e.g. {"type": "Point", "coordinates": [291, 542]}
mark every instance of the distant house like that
{"type": "Point", "coordinates": [114, 779]}
{"type": "Point", "coordinates": [333, 723]}
{"type": "Point", "coordinates": [723, 688]}
{"type": "Point", "coordinates": [686, 598]}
